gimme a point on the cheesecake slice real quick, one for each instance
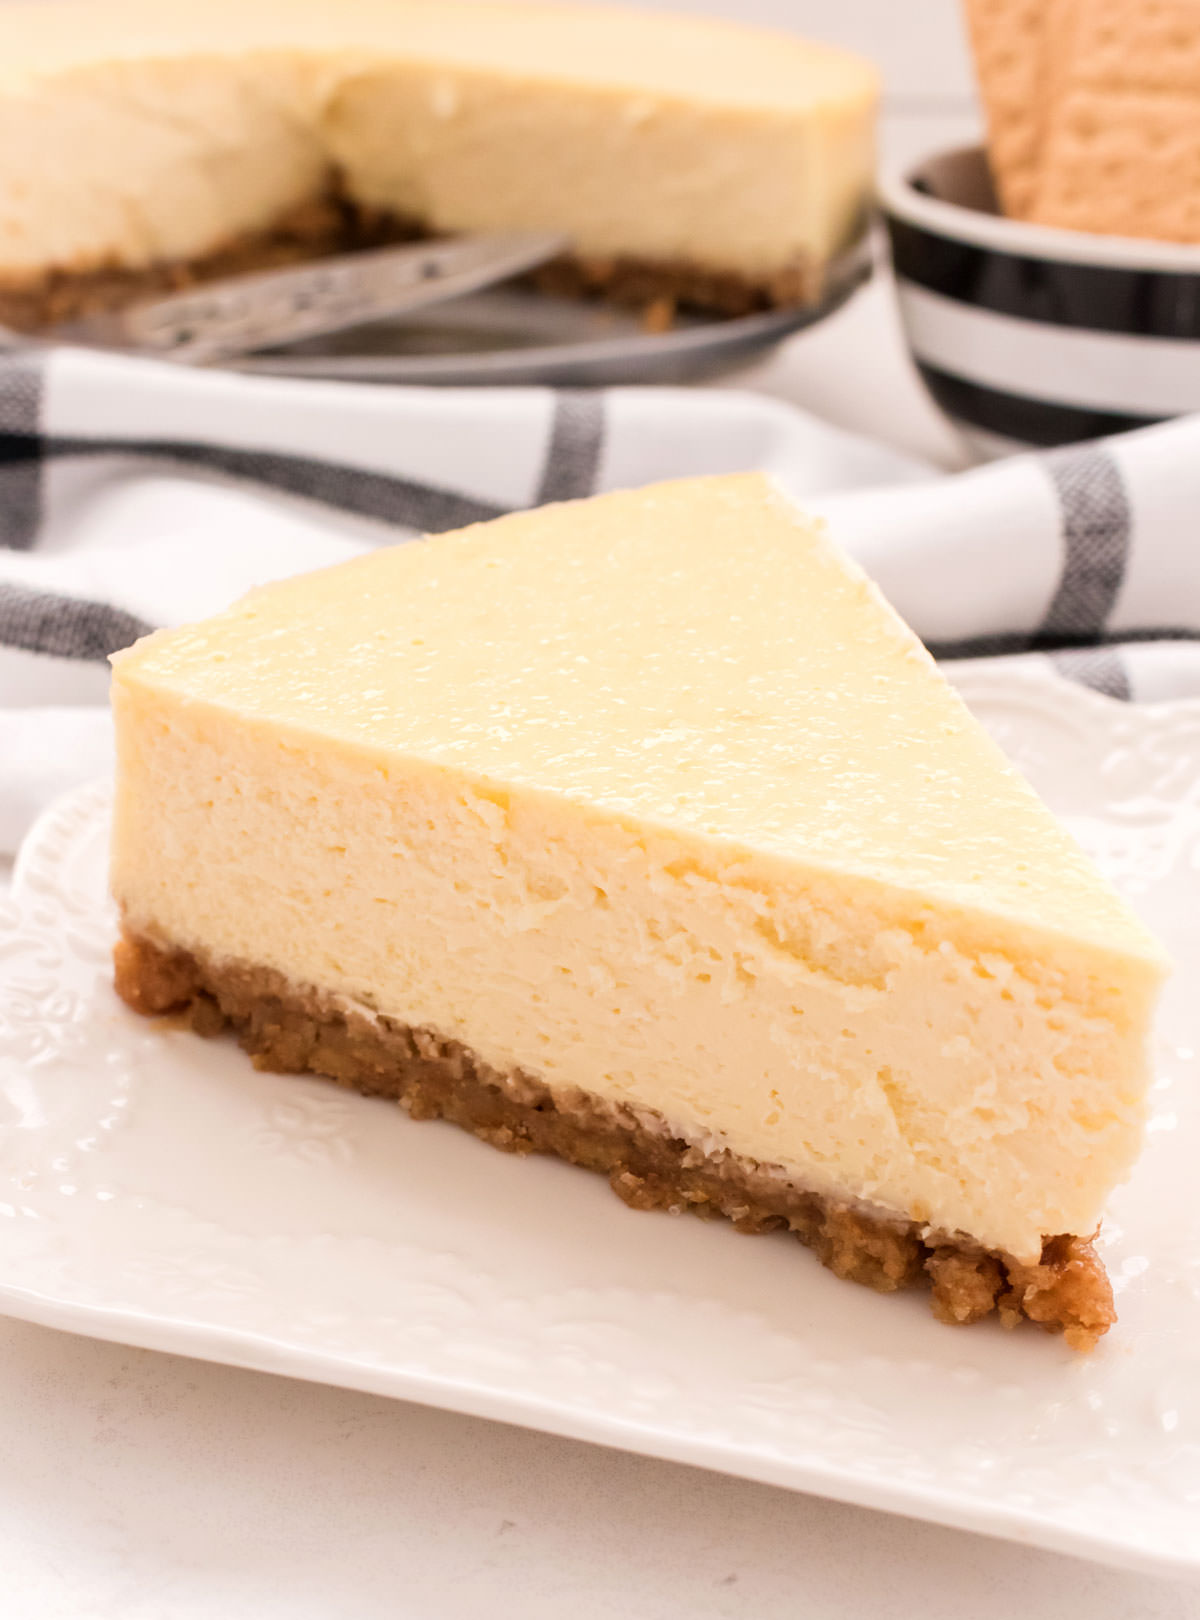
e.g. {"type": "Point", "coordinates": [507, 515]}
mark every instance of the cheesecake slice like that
{"type": "Point", "coordinates": [143, 144]}
{"type": "Point", "coordinates": [641, 831]}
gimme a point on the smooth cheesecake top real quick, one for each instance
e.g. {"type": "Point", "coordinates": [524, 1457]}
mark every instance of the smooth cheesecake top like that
{"type": "Point", "coordinates": [716, 62]}
{"type": "Point", "coordinates": [695, 655]}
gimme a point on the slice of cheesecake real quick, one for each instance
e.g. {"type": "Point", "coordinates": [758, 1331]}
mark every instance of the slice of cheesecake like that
{"type": "Point", "coordinates": [143, 143]}
{"type": "Point", "coordinates": [640, 830]}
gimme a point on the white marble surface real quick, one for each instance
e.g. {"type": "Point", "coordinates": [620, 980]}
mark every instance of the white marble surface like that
{"type": "Point", "coordinates": [136, 1486]}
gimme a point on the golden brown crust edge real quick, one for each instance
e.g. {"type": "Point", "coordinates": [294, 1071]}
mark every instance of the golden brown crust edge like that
{"type": "Point", "coordinates": [333, 225]}
{"type": "Point", "coordinates": [291, 1030]}
{"type": "Point", "coordinates": [310, 231]}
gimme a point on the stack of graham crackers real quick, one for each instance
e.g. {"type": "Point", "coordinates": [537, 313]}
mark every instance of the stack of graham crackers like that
{"type": "Point", "coordinates": [1093, 112]}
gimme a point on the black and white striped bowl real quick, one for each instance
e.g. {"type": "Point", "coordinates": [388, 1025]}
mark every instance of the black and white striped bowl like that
{"type": "Point", "coordinates": [1030, 335]}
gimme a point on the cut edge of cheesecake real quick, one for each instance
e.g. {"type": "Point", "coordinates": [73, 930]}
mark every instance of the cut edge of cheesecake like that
{"type": "Point", "coordinates": [293, 1029]}
{"type": "Point", "coordinates": [323, 158]}
{"type": "Point", "coordinates": [329, 223]}
{"type": "Point", "coordinates": [324, 224]}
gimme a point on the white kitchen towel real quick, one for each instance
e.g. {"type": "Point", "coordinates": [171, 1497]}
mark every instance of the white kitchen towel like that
{"type": "Point", "coordinates": [134, 494]}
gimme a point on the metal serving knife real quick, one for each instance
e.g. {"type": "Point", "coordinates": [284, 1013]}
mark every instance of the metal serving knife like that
{"type": "Point", "coordinates": [268, 308]}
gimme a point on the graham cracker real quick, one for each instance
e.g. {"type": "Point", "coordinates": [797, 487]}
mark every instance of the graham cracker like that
{"type": "Point", "coordinates": [1150, 45]}
{"type": "Point", "coordinates": [1122, 163]}
{"type": "Point", "coordinates": [1093, 112]}
{"type": "Point", "coordinates": [1010, 42]}
{"type": "Point", "coordinates": [1121, 148]}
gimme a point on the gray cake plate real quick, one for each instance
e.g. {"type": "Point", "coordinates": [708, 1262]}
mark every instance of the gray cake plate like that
{"type": "Point", "coordinates": [511, 335]}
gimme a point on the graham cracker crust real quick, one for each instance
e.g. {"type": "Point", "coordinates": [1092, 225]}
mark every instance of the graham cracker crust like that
{"type": "Point", "coordinates": [313, 230]}
{"type": "Point", "coordinates": [658, 290]}
{"type": "Point", "coordinates": [333, 224]}
{"type": "Point", "coordinates": [293, 1030]}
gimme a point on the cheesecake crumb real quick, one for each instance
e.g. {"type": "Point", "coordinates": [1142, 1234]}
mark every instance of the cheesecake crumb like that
{"type": "Point", "coordinates": [659, 316]}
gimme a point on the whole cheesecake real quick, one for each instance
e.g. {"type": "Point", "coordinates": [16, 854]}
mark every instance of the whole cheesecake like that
{"type": "Point", "coordinates": [641, 831]}
{"type": "Point", "coordinates": [144, 143]}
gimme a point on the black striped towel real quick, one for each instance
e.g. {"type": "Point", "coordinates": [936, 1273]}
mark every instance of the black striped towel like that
{"type": "Point", "coordinates": [134, 494]}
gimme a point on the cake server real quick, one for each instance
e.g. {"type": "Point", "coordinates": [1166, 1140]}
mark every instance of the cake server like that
{"type": "Point", "coordinates": [219, 320]}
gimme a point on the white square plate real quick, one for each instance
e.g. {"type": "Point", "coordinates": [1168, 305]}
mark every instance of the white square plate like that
{"type": "Point", "coordinates": [155, 1189]}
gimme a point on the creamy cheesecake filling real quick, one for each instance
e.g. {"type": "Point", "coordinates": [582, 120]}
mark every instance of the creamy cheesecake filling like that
{"type": "Point", "coordinates": [650, 1164]}
{"type": "Point", "coordinates": [134, 136]}
{"type": "Point", "coordinates": [131, 164]}
{"type": "Point", "coordinates": [878, 1050]}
